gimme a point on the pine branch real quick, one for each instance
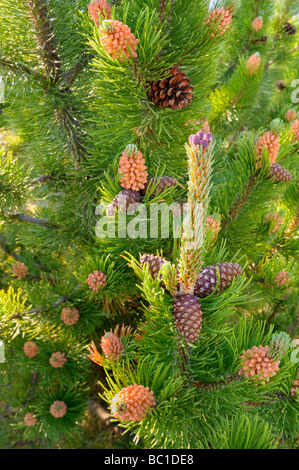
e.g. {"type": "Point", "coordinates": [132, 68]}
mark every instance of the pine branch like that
{"type": "Point", "coordinates": [43, 308]}
{"type": "Point", "coordinates": [18, 67]}
{"type": "Point", "coordinates": [34, 220]}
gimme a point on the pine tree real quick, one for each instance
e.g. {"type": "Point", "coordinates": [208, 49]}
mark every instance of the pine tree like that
{"type": "Point", "coordinates": [183, 322]}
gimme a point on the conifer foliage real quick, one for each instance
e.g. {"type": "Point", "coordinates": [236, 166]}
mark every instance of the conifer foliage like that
{"type": "Point", "coordinates": [149, 223]}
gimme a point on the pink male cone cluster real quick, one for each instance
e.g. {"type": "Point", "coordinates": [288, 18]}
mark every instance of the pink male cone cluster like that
{"type": "Point", "coordinates": [132, 403]}
{"type": "Point", "coordinates": [58, 409]}
{"type": "Point", "coordinates": [270, 142]}
{"type": "Point", "coordinates": [58, 359]}
{"type": "Point", "coordinates": [257, 362]}
{"type": "Point", "coordinates": [295, 130]}
{"type": "Point", "coordinates": [30, 349]}
{"type": "Point", "coordinates": [224, 17]}
{"type": "Point", "coordinates": [118, 39]}
{"type": "Point", "coordinates": [69, 315]}
{"type": "Point", "coordinates": [96, 279]}
{"type": "Point", "coordinates": [257, 24]}
{"type": "Point", "coordinates": [20, 270]}
{"type": "Point", "coordinates": [97, 7]}
{"type": "Point", "coordinates": [111, 345]}
{"type": "Point", "coordinates": [30, 419]}
{"type": "Point", "coordinates": [253, 64]}
{"type": "Point", "coordinates": [132, 169]}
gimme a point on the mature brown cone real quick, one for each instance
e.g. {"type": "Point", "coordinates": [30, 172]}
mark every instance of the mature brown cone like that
{"type": "Point", "coordinates": [159, 184]}
{"type": "Point", "coordinates": [187, 316]}
{"type": "Point", "coordinates": [279, 174]}
{"type": "Point", "coordinates": [289, 28]}
{"type": "Point", "coordinates": [207, 279]}
{"type": "Point", "coordinates": [154, 263]}
{"type": "Point", "coordinates": [123, 200]}
{"type": "Point", "coordinates": [174, 92]}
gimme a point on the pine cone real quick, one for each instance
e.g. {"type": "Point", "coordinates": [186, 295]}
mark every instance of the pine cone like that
{"type": "Point", "coordinates": [207, 279]}
{"type": "Point", "coordinates": [58, 409]}
{"type": "Point", "coordinates": [253, 64]}
{"type": "Point", "coordinates": [118, 39]}
{"type": "Point", "coordinates": [132, 403]}
{"type": "Point", "coordinates": [30, 419]}
{"type": "Point", "coordinates": [201, 139]}
{"type": "Point", "coordinates": [295, 129]}
{"type": "Point", "coordinates": [187, 316]}
{"type": "Point", "coordinates": [174, 92]}
{"type": "Point", "coordinates": [258, 362]}
{"type": "Point", "coordinates": [288, 28]}
{"type": "Point", "coordinates": [69, 315]}
{"type": "Point", "coordinates": [257, 24]}
{"type": "Point", "coordinates": [154, 263]}
{"type": "Point", "coordinates": [123, 201]}
{"type": "Point", "coordinates": [281, 85]}
{"type": "Point", "coordinates": [281, 278]}
{"type": "Point", "coordinates": [99, 6]}
{"type": "Point", "coordinates": [57, 359]}
{"type": "Point", "coordinates": [159, 183]}
{"type": "Point", "coordinates": [132, 169]}
{"type": "Point", "coordinates": [279, 174]}
{"type": "Point", "coordinates": [30, 349]}
{"type": "Point", "coordinates": [270, 142]}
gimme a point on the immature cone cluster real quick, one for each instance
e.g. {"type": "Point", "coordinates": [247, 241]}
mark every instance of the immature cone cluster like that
{"type": "Point", "coordinates": [295, 129]}
{"type": "Point", "coordinates": [280, 344]}
{"type": "Point", "coordinates": [270, 142]}
{"type": "Point", "coordinates": [187, 316]}
{"type": "Point", "coordinates": [132, 169]}
{"type": "Point", "coordinates": [96, 280]}
{"type": "Point", "coordinates": [30, 419]}
{"type": "Point", "coordinates": [20, 270]}
{"type": "Point", "coordinates": [257, 23]}
{"type": "Point", "coordinates": [253, 64]}
{"type": "Point", "coordinates": [111, 345]}
{"type": "Point", "coordinates": [276, 219]}
{"type": "Point", "coordinates": [290, 115]}
{"type": "Point", "coordinates": [281, 278]}
{"type": "Point", "coordinates": [58, 409]}
{"type": "Point", "coordinates": [207, 279]}
{"type": "Point", "coordinates": [279, 174]}
{"type": "Point", "coordinates": [58, 359]}
{"type": "Point", "coordinates": [222, 18]}
{"type": "Point", "coordinates": [118, 39]}
{"type": "Point", "coordinates": [30, 349]}
{"type": "Point", "coordinates": [132, 403]}
{"type": "Point", "coordinates": [173, 92]}
{"type": "Point", "coordinates": [97, 7]}
{"type": "Point", "coordinates": [201, 139]}
{"type": "Point", "coordinates": [69, 316]}
{"type": "Point", "coordinates": [155, 185]}
{"type": "Point", "coordinates": [123, 201]}
{"type": "Point", "coordinates": [258, 362]}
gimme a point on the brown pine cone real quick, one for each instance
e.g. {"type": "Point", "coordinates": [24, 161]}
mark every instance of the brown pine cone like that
{"type": "Point", "coordinates": [187, 316]}
{"type": "Point", "coordinates": [289, 28]}
{"type": "Point", "coordinates": [159, 183]}
{"type": "Point", "coordinates": [207, 279]}
{"type": "Point", "coordinates": [279, 174]}
{"type": "Point", "coordinates": [154, 262]}
{"type": "Point", "coordinates": [122, 201]}
{"type": "Point", "coordinates": [173, 92]}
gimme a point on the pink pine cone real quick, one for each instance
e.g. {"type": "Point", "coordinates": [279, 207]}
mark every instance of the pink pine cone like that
{"type": "Point", "coordinates": [132, 169]}
{"type": "Point", "coordinates": [118, 40]}
{"type": "Point", "coordinates": [295, 130]}
{"type": "Point", "coordinates": [253, 64]}
{"type": "Point", "coordinates": [257, 24]}
{"type": "Point", "coordinates": [20, 270]}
